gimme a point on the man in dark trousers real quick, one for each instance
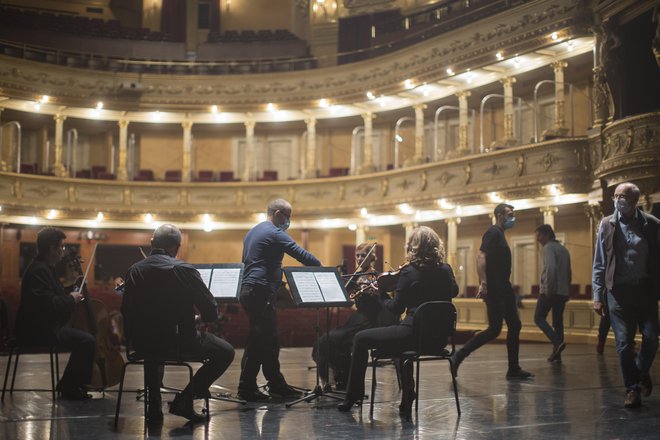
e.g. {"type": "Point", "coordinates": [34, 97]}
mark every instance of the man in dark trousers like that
{"type": "Point", "coordinates": [494, 270]}
{"type": "Point", "coordinates": [44, 315]}
{"type": "Point", "coordinates": [626, 277]}
{"type": "Point", "coordinates": [161, 294]}
{"type": "Point", "coordinates": [264, 247]}
{"type": "Point", "coordinates": [554, 289]}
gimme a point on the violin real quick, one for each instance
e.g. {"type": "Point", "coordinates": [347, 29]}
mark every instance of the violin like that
{"type": "Point", "coordinates": [92, 316]}
{"type": "Point", "coordinates": [387, 281]}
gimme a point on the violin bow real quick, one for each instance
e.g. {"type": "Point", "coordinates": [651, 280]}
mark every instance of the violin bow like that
{"type": "Point", "coordinates": [359, 268]}
{"type": "Point", "coordinates": [89, 265]}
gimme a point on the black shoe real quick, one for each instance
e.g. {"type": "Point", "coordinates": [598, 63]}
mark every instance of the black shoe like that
{"type": "Point", "coordinates": [347, 405]}
{"type": "Point", "coordinates": [556, 352]}
{"type": "Point", "coordinates": [182, 406]}
{"type": "Point", "coordinates": [633, 400]}
{"type": "Point", "coordinates": [518, 373]}
{"type": "Point", "coordinates": [284, 392]}
{"type": "Point", "coordinates": [73, 393]}
{"type": "Point", "coordinates": [252, 396]}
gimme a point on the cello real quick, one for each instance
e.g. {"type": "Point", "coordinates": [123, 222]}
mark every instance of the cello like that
{"type": "Point", "coordinates": [92, 316]}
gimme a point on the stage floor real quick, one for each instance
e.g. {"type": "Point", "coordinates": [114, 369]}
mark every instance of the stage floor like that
{"type": "Point", "coordinates": [582, 398]}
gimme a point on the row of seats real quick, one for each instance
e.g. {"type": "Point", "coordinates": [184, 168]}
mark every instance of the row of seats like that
{"type": "Point", "coordinates": [72, 24]}
{"type": "Point", "coordinates": [171, 68]}
{"type": "Point", "coordinates": [251, 36]}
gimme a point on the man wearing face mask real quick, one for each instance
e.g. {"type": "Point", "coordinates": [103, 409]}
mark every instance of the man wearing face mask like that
{"type": "Point", "coordinates": [264, 247]}
{"type": "Point", "coordinates": [626, 278]}
{"type": "Point", "coordinates": [494, 270]}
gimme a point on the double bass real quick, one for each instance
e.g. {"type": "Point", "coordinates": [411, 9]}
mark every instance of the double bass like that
{"type": "Point", "coordinates": [92, 316]}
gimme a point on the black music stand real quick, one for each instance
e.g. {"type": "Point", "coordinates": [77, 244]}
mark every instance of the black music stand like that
{"type": "Point", "coordinates": [224, 282]}
{"type": "Point", "coordinates": [318, 287]}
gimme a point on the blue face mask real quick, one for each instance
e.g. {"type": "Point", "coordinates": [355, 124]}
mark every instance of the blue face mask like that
{"type": "Point", "coordinates": [621, 205]}
{"type": "Point", "coordinates": [509, 223]}
{"type": "Point", "coordinates": [284, 226]}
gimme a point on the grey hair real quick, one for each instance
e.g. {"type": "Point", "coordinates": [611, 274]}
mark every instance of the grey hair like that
{"type": "Point", "coordinates": [166, 236]}
{"type": "Point", "coordinates": [277, 205]}
{"type": "Point", "coordinates": [425, 248]}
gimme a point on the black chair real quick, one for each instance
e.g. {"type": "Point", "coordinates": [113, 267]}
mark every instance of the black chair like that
{"type": "Point", "coordinates": [434, 326]}
{"type": "Point", "coordinates": [15, 348]}
{"type": "Point", "coordinates": [136, 358]}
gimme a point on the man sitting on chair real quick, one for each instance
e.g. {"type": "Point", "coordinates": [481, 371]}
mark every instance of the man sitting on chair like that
{"type": "Point", "coordinates": [160, 297]}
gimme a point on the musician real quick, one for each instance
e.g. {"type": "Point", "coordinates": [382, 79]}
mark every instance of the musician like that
{"type": "Point", "coordinates": [334, 349]}
{"type": "Point", "coordinates": [425, 278]}
{"type": "Point", "coordinates": [263, 249]}
{"type": "Point", "coordinates": [45, 311]}
{"type": "Point", "coordinates": [161, 294]}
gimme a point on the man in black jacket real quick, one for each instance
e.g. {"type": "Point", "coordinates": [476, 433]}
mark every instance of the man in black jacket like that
{"type": "Point", "coordinates": [160, 297]}
{"type": "Point", "coordinates": [44, 315]}
{"type": "Point", "coordinates": [626, 280]}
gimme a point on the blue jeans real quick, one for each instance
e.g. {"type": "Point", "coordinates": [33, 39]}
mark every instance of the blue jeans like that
{"type": "Point", "coordinates": [556, 303]}
{"type": "Point", "coordinates": [632, 307]}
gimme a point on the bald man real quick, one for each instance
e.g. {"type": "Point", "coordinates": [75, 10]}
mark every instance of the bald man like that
{"type": "Point", "coordinates": [161, 295]}
{"type": "Point", "coordinates": [264, 247]}
{"type": "Point", "coordinates": [626, 280]}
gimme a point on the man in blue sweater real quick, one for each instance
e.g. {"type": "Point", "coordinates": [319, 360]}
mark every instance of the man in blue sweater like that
{"type": "Point", "coordinates": [263, 249]}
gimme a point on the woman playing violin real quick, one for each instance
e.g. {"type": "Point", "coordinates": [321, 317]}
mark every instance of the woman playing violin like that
{"type": "Point", "coordinates": [425, 278]}
{"type": "Point", "coordinates": [334, 350]}
{"type": "Point", "coordinates": [45, 311]}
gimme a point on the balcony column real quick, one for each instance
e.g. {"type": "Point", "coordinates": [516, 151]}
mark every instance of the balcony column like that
{"type": "Point", "coordinates": [409, 227]}
{"type": "Point", "coordinates": [122, 165]}
{"type": "Point", "coordinates": [560, 120]}
{"type": "Point", "coordinates": [594, 213]}
{"type": "Point", "coordinates": [549, 215]}
{"type": "Point", "coordinates": [249, 171]}
{"type": "Point", "coordinates": [58, 168]}
{"type": "Point", "coordinates": [509, 138]}
{"type": "Point", "coordinates": [419, 134]}
{"type": "Point", "coordinates": [3, 164]}
{"type": "Point", "coordinates": [361, 234]}
{"type": "Point", "coordinates": [367, 165]}
{"type": "Point", "coordinates": [186, 166]}
{"type": "Point", "coordinates": [310, 170]}
{"type": "Point", "coordinates": [463, 123]}
{"type": "Point", "coordinates": [452, 237]}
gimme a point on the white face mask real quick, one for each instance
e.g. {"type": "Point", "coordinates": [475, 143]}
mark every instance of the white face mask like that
{"type": "Point", "coordinates": [621, 205]}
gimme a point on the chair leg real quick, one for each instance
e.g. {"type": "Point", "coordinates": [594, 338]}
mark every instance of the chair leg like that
{"type": "Point", "coordinates": [120, 392]}
{"type": "Point", "coordinates": [52, 373]}
{"type": "Point", "coordinates": [417, 388]}
{"type": "Point", "coordinates": [397, 368]}
{"type": "Point", "coordinates": [453, 379]}
{"type": "Point", "coordinates": [373, 388]}
{"type": "Point", "coordinates": [13, 377]}
{"type": "Point", "coordinates": [4, 386]}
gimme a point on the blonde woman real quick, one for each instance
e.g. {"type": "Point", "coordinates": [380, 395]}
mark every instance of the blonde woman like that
{"type": "Point", "coordinates": [425, 278]}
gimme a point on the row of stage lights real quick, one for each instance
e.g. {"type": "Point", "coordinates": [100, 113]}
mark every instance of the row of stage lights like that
{"type": "Point", "coordinates": [208, 224]}
{"type": "Point", "coordinates": [326, 103]}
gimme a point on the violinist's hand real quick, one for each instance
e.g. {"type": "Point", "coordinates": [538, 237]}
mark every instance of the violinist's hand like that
{"type": "Point", "coordinates": [77, 296]}
{"type": "Point", "coordinates": [483, 291]}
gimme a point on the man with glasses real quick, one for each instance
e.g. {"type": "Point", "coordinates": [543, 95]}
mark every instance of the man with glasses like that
{"type": "Point", "coordinates": [626, 280]}
{"type": "Point", "coordinates": [494, 270]}
{"type": "Point", "coordinates": [44, 315]}
{"type": "Point", "coordinates": [264, 247]}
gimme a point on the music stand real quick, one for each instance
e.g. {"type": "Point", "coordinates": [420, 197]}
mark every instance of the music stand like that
{"type": "Point", "coordinates": [316, 287]}
{"type": "Point", "coordinates": [224, 282]}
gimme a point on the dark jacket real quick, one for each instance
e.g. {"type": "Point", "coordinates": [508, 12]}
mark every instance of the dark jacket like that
{"type": "Point", "coordinates": [45, 307]}
{"type": "Point", "coordinates": [651, 232]}
{"type": "Point", "coordinates": [415, 287]}
{"type": "Point", "coordinates": [160, 296]}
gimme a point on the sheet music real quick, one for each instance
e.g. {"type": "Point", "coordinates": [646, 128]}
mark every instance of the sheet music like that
{"type": "Point", "coordinates": [307, 287]}
{"type": "Point", "coordinates": [330, 287]}
{"type": "Point", "coordinates": [206, 275]}
{"type": "Point", "coordinates": [224, 282]}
